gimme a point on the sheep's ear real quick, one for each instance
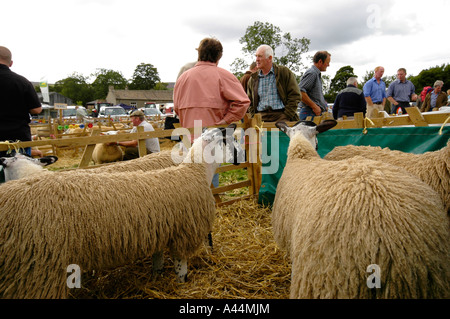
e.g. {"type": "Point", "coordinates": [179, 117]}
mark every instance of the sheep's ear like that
{"type": "Point", "coordinates": [47, 160]}
{"type": "Point", "coordinates": [282, 126]}
{"type": "Point", "coordinates": [306, 123]}
{"type": "Point", "coordinates": [326, 125]}
{"type": "Point", "coordinates": [232, 126]}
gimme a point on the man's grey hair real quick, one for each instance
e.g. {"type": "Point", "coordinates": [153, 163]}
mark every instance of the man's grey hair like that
{"type": "Point", "coordinates": [438, 83]}
{"type": "Point", "coordinates": [268, 51]}
{"type": "Point", "coordinates": [352, 80]}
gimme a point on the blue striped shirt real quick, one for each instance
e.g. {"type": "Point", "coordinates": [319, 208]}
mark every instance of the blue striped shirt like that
{"type": "Point", "coordinates": [376, 91]}
{"type": "Point", "coordinates": [268, 92]}
{"type": "Point", "coordinates": [401, 91]}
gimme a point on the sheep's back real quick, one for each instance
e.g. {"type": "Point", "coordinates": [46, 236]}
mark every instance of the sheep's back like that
{"type": "Point", "coordinates": [96, 221]}
{"type": "Point", "coordinates": [431, 167]}
{"type": "Point", "coordinates": [337, 218]}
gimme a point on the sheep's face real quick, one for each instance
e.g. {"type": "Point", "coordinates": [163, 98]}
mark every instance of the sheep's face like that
{"type": "Point", "coordinates": [17, 159]}
{"type": "Point", "coordinates": [307, 128]}
{"type": "Point", "coordinates": [220, 146]}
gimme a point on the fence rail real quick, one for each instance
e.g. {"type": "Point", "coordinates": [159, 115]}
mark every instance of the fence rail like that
{"type": "Point", "coordinates": [252, 143]}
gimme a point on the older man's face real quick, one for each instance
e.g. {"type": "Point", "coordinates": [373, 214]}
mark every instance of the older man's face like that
{"type": "Point", "coordinates": [263, 63]}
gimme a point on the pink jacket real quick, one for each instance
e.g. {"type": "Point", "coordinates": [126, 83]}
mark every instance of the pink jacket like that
{"type": "Point", "coordinates": [209, 93]}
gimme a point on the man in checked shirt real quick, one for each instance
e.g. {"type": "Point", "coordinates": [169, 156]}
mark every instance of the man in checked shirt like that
{"type": "Point", "coordinates": [272, 90]}
{"type": "Point", "coordinates": [313, 102]}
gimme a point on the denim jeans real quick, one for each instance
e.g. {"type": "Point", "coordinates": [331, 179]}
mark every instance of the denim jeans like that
{"type": "Point", "coordinates": [215, 180]}
{"type": "Point", "coordinates": [305, 112]}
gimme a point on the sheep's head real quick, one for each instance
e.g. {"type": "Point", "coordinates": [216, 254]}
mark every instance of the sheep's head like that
{"type": "Point", "coordinates": [221, 146]}
{"type": "Point", "coordinates": [307, 128]}
{"type": "Point", "coordinates": [15, 166]}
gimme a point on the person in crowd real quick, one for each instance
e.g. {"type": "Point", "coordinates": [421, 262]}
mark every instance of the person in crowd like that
{"type": "Point", "coordinates": [401, 92]}
{"type": "Point", "coordinates": [131, 147]}
{"type": "Point", "coordinates": [313, 102]}
{"type": "Point", "coordinates": [349, 101]}
{"type": "Point", "coordinates": [375, 92]}
{"type": "Point", "coordinates": [208, 93]}
{"type": "Point", "coordinates": [435, 99]}
{"type": "Point", "coordinates": [273, 89]}
{"type": "Point", "coordinates": [244, 79]}
{"type": "Point", "coordinates": [18, 100]}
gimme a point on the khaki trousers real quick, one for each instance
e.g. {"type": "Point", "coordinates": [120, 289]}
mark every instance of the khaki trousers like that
{"type": "Point", "coordinates": [371, 109]}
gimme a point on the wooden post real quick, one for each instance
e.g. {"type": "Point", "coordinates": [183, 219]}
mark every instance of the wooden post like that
{"type": "Point", "coordinates": [141, 143]}
{"type": "Point", "coordinates": [88, 150]}
{"type": "Point", "coordinates": [359, 120]}
{"type": "Point", "coordinates": [257, 167]}
{"type": "Point", "coordinates": [415, 116]}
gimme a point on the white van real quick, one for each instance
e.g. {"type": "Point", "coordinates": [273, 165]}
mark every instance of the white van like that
{"type": "Point", "coordinates": [112, 111]}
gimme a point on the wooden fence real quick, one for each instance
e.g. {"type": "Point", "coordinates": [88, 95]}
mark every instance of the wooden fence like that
{"type": "Point", "coordinates": [253, 127]}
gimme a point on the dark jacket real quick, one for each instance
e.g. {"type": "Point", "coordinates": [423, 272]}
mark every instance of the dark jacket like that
{"type": "Point", "coordinates": [441, 100]}
{"type": "Point", "coordinates": [287, 89]}
{"type": "Point", "coordinates": [349, 101]}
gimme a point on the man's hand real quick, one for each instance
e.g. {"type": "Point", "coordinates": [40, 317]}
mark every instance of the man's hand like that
{"type": "Point", "coordinates": [317, 110]}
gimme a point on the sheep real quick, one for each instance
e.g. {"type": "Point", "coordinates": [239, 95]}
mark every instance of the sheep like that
{"type": "Point", "coordinates": [153, 161]}
{"type": "Point", "coordinates": [338, 219]}
{"type": "Point", "coordinates": [19, 165]}
{"type": "Point", "coordinates": [105, 153]}
{"type": "Point", "coordinates": [133, 216]}
{"type": "Point", "coordinates": [431, 167]}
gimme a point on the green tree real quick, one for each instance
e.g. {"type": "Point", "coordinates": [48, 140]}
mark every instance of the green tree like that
{"type": "Point", "coordinates": [104, 78]}
{"type": "Point", "coordinates": [76, 88]}
{"type": "Point", "coordinates": [145, 77]}
{"type": "Point", "coordinates": [339, 82]}
{"type": "Point", "coordinates": [429, 76]}
{"type": "Point", "coordinates": [287, 50]}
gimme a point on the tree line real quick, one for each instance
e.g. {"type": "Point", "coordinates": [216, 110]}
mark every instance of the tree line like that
{"type": "Point", "coordinates": [288, 50]}
{"type": "Point", "coordinates": [77, 87]}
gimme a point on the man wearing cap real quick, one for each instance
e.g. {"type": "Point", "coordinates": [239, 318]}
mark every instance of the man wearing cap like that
{"type": "Point", "coordinates": [152, 144]}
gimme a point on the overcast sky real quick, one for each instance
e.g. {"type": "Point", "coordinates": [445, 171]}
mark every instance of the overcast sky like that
{"type": "Point", "coordinates": [52, 39]}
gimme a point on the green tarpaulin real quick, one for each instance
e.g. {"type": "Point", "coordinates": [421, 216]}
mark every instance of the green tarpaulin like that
{"type": "Point", "coordinates": [416, 140]}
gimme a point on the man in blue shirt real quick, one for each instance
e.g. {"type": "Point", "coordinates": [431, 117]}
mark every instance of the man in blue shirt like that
{"type": "Point", "coordinates": [401, 92]}
{"type": "Point", "coordinates": [375, 92]}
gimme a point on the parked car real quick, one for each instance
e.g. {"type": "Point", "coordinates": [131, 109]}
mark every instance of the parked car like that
{"type": "Point", "coordinates": [168, 109]}
{"type": "Point", "coordinates": [112, 111]}
{"type": "Point", "coordinates": [153, 113]}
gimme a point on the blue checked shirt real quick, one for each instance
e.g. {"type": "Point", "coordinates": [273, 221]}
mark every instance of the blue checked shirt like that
{"type": "Point", "coordinates": [311, 84]}
{"type": "Point", "coordinates": [268, 93]}
{"type": "Point", "coordinates": [401, 91]}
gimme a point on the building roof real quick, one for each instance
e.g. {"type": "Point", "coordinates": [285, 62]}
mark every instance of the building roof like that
{"type": "Point", "coordinates": [147, 95]}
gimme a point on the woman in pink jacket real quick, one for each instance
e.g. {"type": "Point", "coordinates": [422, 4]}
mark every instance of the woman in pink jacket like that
{"type": "Point", "coordinates": [207, 92]}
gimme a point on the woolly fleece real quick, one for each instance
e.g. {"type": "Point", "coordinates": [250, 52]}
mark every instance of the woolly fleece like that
{"type": "Point", "coordinates": [337, 218]}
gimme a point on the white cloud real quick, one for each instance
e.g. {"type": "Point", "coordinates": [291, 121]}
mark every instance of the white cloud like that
{"type": "Point", "coordinates": [56, 38]}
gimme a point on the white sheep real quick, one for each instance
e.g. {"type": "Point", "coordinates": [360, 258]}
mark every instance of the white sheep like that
{"type": "Point", "coordinates": [339, 219]}
{"type": "Point", "coordinates": [431, 167]}
{"type": "Point", "coordinates": [19, 165]}
{"type": "Point", "coordinates": [105, 153]}
{"type": "Point", "coordinates": [104, 220]}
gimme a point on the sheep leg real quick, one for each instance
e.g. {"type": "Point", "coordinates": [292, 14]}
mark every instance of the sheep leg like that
{"type": "Point", "coordinates": [180, 266]}
{"type": "Point", "coordinates": [210, 241]}
{"type": "Point", "coordinates": [158, 262]}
